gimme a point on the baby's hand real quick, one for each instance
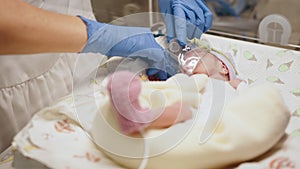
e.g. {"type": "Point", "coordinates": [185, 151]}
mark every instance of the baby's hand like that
{"type": "Point", "coordinates": [235, 82]}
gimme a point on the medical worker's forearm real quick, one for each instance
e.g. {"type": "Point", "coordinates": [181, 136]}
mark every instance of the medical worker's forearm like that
{"type": "Point", "coordinates": [27, 29]}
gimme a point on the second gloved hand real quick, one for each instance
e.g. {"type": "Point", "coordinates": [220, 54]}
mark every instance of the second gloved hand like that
{"type": "Point", "coordinates": [124, 41]}
{"type": "Point", "coordinates": [185, 19]}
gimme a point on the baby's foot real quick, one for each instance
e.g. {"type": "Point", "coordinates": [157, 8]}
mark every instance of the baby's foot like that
{"type": "Point", "coordinates": [124, 88]}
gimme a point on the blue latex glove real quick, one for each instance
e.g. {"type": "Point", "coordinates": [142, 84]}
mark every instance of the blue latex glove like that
{"type": "Point", "coordinates": [185, 19]}
{"type": "Point", "coordinates": [135, 42]}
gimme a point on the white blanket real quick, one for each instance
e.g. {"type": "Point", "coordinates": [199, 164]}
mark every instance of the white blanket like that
{"type": "Point", "coordinates": [250, 125]}
{"type": "Point", "coordinates": [235, 128]}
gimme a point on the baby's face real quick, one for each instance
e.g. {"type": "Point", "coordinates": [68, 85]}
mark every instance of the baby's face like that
{"type": "Point", "coordinates": [207, 64]}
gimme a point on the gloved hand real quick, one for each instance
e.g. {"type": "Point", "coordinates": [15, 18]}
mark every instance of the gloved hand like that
{"type": "Point", "coordinates": [135, 42]}
{"type": "Point", "coordinates": [185, 19]}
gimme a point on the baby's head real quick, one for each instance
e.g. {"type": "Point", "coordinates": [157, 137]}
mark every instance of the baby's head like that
{"type": "Point", "coordinates": [211, 62]}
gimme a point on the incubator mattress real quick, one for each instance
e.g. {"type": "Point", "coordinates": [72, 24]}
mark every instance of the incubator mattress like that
{"type": "Point", "coordinates": [54, 136]}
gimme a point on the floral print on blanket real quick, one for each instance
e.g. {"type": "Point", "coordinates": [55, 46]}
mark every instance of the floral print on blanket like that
{"type": "Point", "coordinates": [282, 163]}
{"type": "Point", "coordinates": [63, 126]}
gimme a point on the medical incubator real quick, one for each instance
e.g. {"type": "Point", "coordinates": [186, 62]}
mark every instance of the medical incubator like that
{"type": "Point", "coordinates": [263, 37]}
{"type": "Point", "coordinates": [264, 21]}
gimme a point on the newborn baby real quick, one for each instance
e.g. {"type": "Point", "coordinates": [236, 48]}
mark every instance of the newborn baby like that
{"type": "Point", "coordinates": [125, 89]}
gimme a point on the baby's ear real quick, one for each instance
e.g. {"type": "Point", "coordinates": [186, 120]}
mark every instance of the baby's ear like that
{"type": "Point", "coordinates": [224, 69]}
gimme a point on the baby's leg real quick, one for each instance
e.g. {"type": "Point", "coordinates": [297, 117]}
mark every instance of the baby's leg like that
{"type": "Point", "coordinates": [172, 114]}
{"type": "Point", "coordinates": [124, 89]}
